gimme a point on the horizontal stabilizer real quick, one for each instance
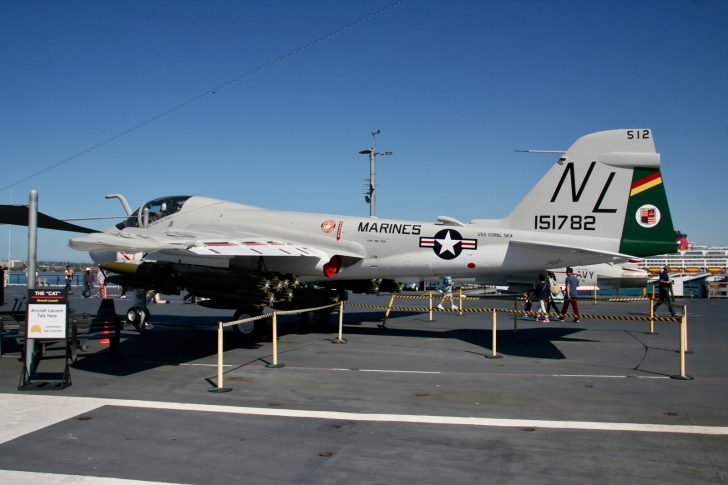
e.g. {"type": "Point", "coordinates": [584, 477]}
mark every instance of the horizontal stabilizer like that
{"type": "Point", "coordinates": [529, 254]}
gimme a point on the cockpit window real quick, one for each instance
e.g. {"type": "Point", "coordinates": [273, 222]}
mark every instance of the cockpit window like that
{"type": "Point", "coordinates": [153, 211]}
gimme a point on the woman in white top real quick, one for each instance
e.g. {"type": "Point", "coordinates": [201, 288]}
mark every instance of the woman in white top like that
{"type": "Point", "coordinates": [557, 296]}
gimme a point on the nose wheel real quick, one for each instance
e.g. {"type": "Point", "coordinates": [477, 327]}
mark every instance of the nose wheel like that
{"type": "Point", "coordinates": [138, 317]}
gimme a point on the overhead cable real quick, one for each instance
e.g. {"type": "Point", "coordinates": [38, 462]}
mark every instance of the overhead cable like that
{"type": "Point", "coordinates": [210, 92]}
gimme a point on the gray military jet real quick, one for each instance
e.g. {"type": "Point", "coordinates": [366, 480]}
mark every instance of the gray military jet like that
{"type": "Point", "coordinates": [603, 200]}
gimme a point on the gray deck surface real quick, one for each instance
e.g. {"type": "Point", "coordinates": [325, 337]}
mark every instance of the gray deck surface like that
{"type": "Point", "coordinates": [591, 402]}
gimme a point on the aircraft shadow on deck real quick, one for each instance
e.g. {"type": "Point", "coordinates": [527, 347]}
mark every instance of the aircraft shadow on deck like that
{"type": "Point", "coordinates": [178, 340]}
{"type": "Point", "coordinates": [526, 342]}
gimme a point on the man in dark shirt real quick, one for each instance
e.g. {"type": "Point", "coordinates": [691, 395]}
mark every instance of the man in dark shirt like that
{"type": "Point", "coordinates": [665, 290]}
{"type": "Point", "coordinates": [572, 283]}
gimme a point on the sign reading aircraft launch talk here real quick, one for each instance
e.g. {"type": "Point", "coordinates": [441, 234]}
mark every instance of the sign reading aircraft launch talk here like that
{"type": "Point", "coordinates": [47, 314]}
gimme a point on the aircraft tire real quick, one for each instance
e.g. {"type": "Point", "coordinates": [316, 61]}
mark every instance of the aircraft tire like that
{"type": "Point", "coordinates": [132, 315]}
{"type": "Point", "coordinates": [138, 317]}
{"type": "Point", "coordinates": [249, 330]}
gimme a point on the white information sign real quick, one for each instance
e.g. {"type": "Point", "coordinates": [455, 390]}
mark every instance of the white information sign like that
{"type": "Point", "coordinates": [47, 321]}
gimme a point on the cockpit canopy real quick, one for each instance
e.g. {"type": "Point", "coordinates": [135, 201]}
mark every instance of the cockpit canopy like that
{"type": "Point", "coordinates": [154, 210]}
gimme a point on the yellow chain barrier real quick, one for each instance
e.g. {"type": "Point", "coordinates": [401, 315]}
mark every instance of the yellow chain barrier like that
{"type": "Point", "coordinates": [515, 312]}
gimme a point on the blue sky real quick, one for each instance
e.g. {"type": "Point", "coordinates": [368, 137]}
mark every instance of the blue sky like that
{"type": "Point", "coordinates": [455, 87]}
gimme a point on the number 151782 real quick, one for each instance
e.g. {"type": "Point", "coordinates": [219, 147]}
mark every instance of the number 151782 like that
{"type": "Point", "coordinates": [557, 222]}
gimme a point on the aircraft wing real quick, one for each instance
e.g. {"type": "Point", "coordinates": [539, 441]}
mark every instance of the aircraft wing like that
{"type": "Point", "coordinates": [200, 244]}
{"type": "Point", "coordinates": [120, 242]}
{"type": "Point", "coordinates": [549, 255]}
{"type": "Point", "coordinates": [252, 247]}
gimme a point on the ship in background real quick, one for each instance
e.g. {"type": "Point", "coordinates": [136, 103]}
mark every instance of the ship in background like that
{"type": "Point", "coordinates": [697, 270]}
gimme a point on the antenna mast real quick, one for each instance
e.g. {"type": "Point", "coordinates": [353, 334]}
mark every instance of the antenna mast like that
{"type": "Point", "coordinates": [370, 195]}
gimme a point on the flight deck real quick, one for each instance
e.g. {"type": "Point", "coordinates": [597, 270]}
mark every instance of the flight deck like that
{"type": "Point", "coordinates": [419, 401]}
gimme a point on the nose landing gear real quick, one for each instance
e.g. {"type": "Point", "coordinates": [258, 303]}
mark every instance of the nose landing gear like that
{"type": "Point", "coordinates": [138, 317]}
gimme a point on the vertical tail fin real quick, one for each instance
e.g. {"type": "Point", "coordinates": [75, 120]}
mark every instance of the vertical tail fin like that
{"type": "Point", "coordinates": [649, 230]}
{"type": "Point", "coordinates": [608, 187]}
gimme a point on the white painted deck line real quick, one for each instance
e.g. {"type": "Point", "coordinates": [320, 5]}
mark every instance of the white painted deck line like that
{"type": "Point", "coordinates": [38, 411]}
{"type": "Point", "coordinates": [34, 478]}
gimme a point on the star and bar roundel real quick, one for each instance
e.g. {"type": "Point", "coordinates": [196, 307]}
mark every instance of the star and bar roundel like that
{"type": "Point", "coordinates": [448, 243]}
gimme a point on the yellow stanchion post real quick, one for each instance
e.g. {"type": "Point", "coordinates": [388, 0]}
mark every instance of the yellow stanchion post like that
{"type": "Point", "coordinates": [275, 364]}
{"type": "Point", "coordinates": [430, 295]}
{"type": "Point", "coordinates": [652, 315]}
{"type": "Point", "coordinates": [683, 348]}
{"type": "Point", "coordinates": [460, 292]}
{"type": "Point", "coordinates": [595, 294]}
{"type": "Point", "coordinates": [386, 313]}
{"type": "Point", "coordinates": [515, 314]}
{"type": "Point", "coordinates": [494, 343]}
{"type": "Point", "coordinates": [340, 339]}
{"type": "Point", "coordinates": [685, 318]}
{"type": "Point", "coordinates": [219, 387]}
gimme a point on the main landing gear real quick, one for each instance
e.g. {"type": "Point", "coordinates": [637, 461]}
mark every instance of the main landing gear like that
{"type": "Point", "coordinates": [249, 331]}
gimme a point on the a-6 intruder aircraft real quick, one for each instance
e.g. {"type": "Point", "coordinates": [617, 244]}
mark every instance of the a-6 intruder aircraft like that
{"type": "Point", "coordinates": [603, 200]}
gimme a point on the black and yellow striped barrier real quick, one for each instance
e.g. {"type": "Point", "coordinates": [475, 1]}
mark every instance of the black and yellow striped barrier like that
{"type": "Point", "coordinates": [416, 297]}
{"type": "Point", "coordinates": [581, 298]}
{"type": "Point", "coordinates": [425, 297]}
{"type": "Point", "coordinates": [523, 298]}
{"type": "Point", "coordinates": [621, 298]}
{"type": "Point", "coordinates": [413, 308]}
{"type": "Point", "coordinates": [682, 320]}
{"type": "Point", "coordinates": [516, 298]}
{"type": "Point", "coordinates": [552, 315]}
